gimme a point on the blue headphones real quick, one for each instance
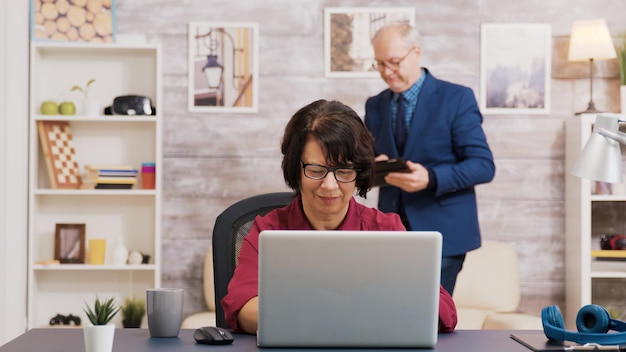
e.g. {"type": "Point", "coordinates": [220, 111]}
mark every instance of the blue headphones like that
{"type": "Point", "coordinates": [592, 321]}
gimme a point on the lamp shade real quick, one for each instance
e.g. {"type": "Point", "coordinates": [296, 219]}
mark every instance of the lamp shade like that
{"type": "Point", "coordinates": [590, 40]}
{"type": "Point", "coordinates": [601, 158]}
{"type": "Point", "coordinates": [213, 72]}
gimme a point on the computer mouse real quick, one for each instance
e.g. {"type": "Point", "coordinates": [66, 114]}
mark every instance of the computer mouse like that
{"type": "Point", "coordinates": [211, 335]}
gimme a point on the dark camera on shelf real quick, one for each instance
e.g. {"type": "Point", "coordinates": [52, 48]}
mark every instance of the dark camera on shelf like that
{"type": "Point", "coordinates": [613, 242]}
{"type": "Point", "coordinates": [65, 320]}
{"type": "Point", "coordinates": [130, 105]}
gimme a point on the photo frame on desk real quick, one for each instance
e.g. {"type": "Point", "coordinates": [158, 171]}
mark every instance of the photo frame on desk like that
{"type": "Point", "coordinates": [515, 68]}
{"type": "Point", "coordinates": [223, 69]}
{"type": "Point", "coordinates": [69, 243]}
{"type": "Point", "coordinates": [348, 33]}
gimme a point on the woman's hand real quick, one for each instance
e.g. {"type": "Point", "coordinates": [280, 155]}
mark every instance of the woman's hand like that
{"type": "Point", "coordinates": [248, 317]}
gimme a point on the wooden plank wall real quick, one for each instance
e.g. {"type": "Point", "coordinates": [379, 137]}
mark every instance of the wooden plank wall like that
{"type": "Point", "coordinates": [212, 160]}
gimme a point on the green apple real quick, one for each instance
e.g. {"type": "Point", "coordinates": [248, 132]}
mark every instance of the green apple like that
{"type": "Point", "coordinates": [67, 108]}
{"type": "Point", "coordinates": [49, 107]}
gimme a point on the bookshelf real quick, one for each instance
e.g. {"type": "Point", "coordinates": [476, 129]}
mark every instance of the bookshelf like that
{"type": "Point", "coordinates": [588, 214]}
{"type": "Point", "coordinates": [98, 140]}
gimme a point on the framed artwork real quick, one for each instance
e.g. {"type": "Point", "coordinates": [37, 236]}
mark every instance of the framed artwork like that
{"type": "Point", "coordinates": [515, 68]}
{"type": "Point", "coordinates": [75, 21]}
{"type": "Point", "coordinates": [348, 32]}
{"type": "Point", "coordinates": [223, 67]}
{"type": "Point", "coordinates": [69, 243]}
{"type": "Point", "coordinates": [58, 151]}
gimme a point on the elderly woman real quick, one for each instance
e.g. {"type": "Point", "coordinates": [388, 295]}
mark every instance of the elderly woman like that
{"type": "Point", "coordinates": [328, 154]}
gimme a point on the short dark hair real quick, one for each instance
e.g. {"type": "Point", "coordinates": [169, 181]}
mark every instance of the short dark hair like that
{"type": "Point", "coordinates": [340, 132]}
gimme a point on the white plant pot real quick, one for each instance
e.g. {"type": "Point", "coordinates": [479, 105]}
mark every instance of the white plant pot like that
{"type": "Point", "coordinates": [622, 95]}
{"type": "Point", "coordinates": [99, 338]}
{"type": "Point", "coordinates": [92, 107]}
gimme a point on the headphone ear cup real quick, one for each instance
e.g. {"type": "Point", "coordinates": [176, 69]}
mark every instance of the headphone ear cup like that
{"type": "Point", "coordinates": [554, 317]}
{"type": "Point", "coordinates": [593, 319]}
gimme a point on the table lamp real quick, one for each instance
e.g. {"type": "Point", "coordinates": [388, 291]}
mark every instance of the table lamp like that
{"type": "Point", "coordinates": [590, 40]}
{"type": "Point", "coordinates": [601, 159]}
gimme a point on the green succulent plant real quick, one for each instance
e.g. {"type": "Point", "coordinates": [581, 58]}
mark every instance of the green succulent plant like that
{"type": "Point", "coordinates": [84, 90]}
{"type": "Point", "coordinates": [133, 309]}
{"type": "Point", "coordinates": [102, 312]}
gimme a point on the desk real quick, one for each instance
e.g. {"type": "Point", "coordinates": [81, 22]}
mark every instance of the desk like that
{"type": "Point", "coordinates": [139, 340]}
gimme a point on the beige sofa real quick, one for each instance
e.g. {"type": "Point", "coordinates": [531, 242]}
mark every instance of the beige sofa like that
{"type": "Point", "coordinates": [487, 292]}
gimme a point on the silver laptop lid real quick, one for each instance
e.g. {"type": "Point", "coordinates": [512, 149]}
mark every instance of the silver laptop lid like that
{"type": "Point", "coordinates": [348, 288]}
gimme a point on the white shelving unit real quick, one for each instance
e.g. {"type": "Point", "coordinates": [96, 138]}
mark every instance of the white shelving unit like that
{"type": "Point", "coordinates": [583, 209]}
{"type": "Point", "coordinates": [99, 140]}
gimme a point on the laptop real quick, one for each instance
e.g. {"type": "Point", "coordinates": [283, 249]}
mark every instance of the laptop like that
{"type": "Point", "coordinates": [350, 289]}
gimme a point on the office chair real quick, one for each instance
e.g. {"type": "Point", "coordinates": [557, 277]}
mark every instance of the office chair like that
{"type": "Point", "coordinates": [231, 226]}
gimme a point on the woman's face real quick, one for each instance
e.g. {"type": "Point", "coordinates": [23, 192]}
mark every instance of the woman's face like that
{"type": "Point", "coordinates": [324, 201]}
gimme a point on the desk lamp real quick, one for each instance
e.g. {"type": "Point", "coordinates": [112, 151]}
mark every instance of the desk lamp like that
{"type": "Point", "coordinates": [601, 159]}
{"type": "Point", "coordinates": [590, 40]}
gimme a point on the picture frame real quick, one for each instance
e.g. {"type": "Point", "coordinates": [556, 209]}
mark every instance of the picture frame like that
{"type": "Point", "coordinates": [57, 20]}
{"type": "Point", "coordinates": [69, 243]}
{"type": "Point", "coordinates": [223, 67]}
{"type": "Point", "coordinates": [515, 68]}
{"type": "Point", "coordinates": [348, 32]}
{"type": "Point", "coordinates": [59, 153]}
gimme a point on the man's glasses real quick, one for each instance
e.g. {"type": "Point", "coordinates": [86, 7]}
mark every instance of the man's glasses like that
{"type": "Point", "coordinates": [319, 172]}
{"type": "Point", "coordinates": [392, 64]}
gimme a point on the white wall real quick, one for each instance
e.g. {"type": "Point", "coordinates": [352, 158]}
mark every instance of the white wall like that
{"type": "Point", "coordinates": [13, 167]}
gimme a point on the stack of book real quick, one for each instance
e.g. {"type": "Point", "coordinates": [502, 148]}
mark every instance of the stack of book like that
{"type": "Point", "coordinates": [109, 177]}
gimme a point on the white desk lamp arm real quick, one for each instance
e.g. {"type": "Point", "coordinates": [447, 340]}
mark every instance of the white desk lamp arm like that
{"type": "Point", "coordinates": [618, 136]}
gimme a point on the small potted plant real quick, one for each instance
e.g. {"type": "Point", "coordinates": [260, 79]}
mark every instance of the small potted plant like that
{"type": "Point", "coordinates": [99, 336]}
{"type": "Point", "coordinates": [91, 107]}
{"type": "Point", "coordinates": [133, 311]}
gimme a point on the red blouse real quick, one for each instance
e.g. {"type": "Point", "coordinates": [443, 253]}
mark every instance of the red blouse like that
{"type": "Point", "coordinates": [244, 283]}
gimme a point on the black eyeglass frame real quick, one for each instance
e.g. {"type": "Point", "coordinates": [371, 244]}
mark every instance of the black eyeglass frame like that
{"type": "Point", "coordinates": [329, 169]}
{"type": "Point", "coordinates": [393, 65]}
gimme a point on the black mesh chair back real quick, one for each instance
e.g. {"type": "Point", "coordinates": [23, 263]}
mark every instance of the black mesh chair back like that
{"type": "Point", "coordinates": [231, 226]}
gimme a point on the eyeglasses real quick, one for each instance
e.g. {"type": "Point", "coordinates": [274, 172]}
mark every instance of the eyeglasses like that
{"type": "Point", "coordinates": [392, 64]}
{"type": "Point", "coordinates": [319, 172]}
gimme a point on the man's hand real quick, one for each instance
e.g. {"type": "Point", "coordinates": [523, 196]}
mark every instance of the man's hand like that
{"type": "Point", "coordinates": [414, 181]}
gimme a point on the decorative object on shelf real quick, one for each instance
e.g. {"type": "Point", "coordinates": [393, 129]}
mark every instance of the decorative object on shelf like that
{"type": "Point", "coordinates": [135, 258]}
{"type": "Point", "coordinates": [601, 158]}
{"type": "Point", "coordinates": [60, 319]}
{"type": "Point", "coordinates": [621, 58]}
{"type": "Point", "coordinates": [91, 106]}
{"type": "Point", "coordinates": [69, 243]}
{"type": "Point", "coordinates": [97, 251]}
{"type": "Point", "coordinates": [223, 61]}
{"type": "Point", "coordinates": [99, 336]}
{"type": "Point", "coordinates": [133, 312]}
{"type": "Point", "coordinates": [614, 242]}
{"type": "Point", "coordinates": [49, 107]}
{"type": "Point", "coordinates": [515, 68]}
{"type": "Point", "coordinates": [120, 253]}
{"type": "Point", "coordinates": [131, 105]}
{"type": "Point", "coordinates": [148, 175]}
{"type": "Point", "coordinates": [108, 177]}
{"type": "Point", "coordinates": [76, 21]}
{"type": "Point", "coordinates": [590, 40]}
{"type": "Point", "coordinates": [58, 151]}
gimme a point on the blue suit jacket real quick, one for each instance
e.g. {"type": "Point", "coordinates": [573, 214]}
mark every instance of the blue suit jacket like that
{"type": "Point", "coordinates": [446, 137]}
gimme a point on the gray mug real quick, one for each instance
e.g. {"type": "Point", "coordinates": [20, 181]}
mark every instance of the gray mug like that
{"type": "Point", "coordinates": [165, 311]}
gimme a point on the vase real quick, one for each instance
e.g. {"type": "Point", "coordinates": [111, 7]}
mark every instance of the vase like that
{"type": "Point", "coordinates": [99, 338]}
{"type": "Point", "coordinates": [91, 107]}
{"type": "Point", "coordinates": [622, 96]}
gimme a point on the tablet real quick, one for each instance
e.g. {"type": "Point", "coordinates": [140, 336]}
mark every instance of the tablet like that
{"type": "Point", "coordinates": [382, 168]}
